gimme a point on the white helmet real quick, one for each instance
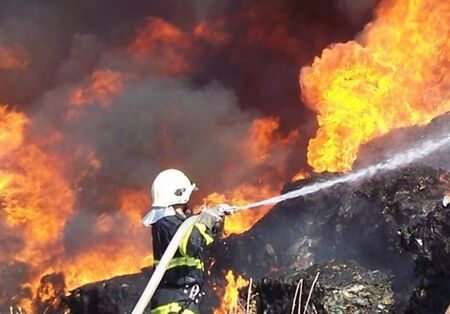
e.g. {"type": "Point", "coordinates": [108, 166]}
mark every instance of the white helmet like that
{"type": "Point", "coordinates": [171, 187]}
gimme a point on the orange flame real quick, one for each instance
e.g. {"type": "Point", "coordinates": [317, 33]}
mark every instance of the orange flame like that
{"type": "Point", "coordinates": [12, 126]}
{"type": "Point", "coordinates": [163, 44]}
{"type": "Point", "coordinates": [120, 254]}
{"type": "Point", "coordinates": [262, 144]}
{"type": "Point", "coordinates": [211, 32]}
{"type": "Point", "coordinates": [50, 292]}
{"type": "Point", "coordinates": [38, 194]}
{"type": "Point", "coordinates": [301, 175]}
{"type": "Point", "coordinates": [395, 75]}
{"type": "Point", "coordinates": [14, 57]}
{"type": "Point", "coordinates": [37, 197]}
{"type": "Point", "coordinates": [170, 51]}
{"type": "Point", "coordinates": [155, 31]}
{"type": "Point", "coordinates": [242, 195]}
{"type": "Point", "coordinates": [103, 86]}
{"type": "Point", "coordinates": [230, 299]}
{"type": "Point", "coordinates": [263, 139]}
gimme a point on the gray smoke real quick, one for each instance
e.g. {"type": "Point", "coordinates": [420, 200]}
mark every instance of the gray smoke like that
{"type": "Point", "coordinates": [156, 123]}
{"type": "Point", "coordinates": [357, 12]}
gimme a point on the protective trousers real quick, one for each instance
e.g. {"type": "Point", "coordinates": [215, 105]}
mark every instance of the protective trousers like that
{"type": "Point", "coordinates": [176, 300]}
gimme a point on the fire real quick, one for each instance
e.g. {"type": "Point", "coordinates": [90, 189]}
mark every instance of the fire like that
{"type": "Point", "coordinates": [301, 175]}
{"type": "Point", "coordinates": [132, 202]}
{"type": "Point", "coordinates": [41, 194]}
{"type": "Point", "coordinates": [103, 86]}
{"type": "Point", "coordinates": [242, 195]}
{"type": "Point", "coordinates": [358, 90]}
{"type": "Point", "coordinates": [263, 139]}
{"type": "Point", "coordinates": [262, 144]}
{"type": "Point", "coordinates": [26, 200]}
{"type": "Point", "coordinates": [230, 300]}
{"type": "Point", "coordinates": [14, 57]}
{"type": "Point", "coordinates": [211, 32]}
{"type": "Point", "coordinates": [51, 289]}
{"type": "Point", "coordinates": [38, 197]}
{"type": "Point", "coordinates": [170, 51]}
{"type": "Point", "coordinates": [120, 254]}
{"type": "Point", "coordinates": [12, 126]}
{"type": "Point", "coordinates": [114, 262]}
{"type": "Point", "coordinates": [395, 75]}
{"type": "Point", "coordinates": [157, 31]}
{"type": "Point", "coordinates": [25, 177]}
{"type": "Point", "coordinates": [162, 44]}
{"type": "Point", "coordinates": [35, 197]}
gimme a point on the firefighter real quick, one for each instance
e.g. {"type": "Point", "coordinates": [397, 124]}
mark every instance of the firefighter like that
{"type": "Point", "coordinates": [180, 290]}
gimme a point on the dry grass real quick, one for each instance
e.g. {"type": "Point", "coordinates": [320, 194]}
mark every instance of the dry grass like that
{"type": "Point", "coordinates": [250, 306]}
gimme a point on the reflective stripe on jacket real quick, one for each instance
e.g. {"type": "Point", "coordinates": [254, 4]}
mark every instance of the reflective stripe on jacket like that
{"type": "Point", "coordinates": [171, 308]}
{"type": "Point", "coordinates": [187, 266]}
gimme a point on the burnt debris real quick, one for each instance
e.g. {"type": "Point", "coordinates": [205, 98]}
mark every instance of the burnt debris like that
{"type": "Point", "coordinates": [117, 295]}
{"type": "Point", "coordinates": [335, 287]}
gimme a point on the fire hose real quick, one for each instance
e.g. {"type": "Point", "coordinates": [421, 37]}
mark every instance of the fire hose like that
{"type": "Point", "coordinates": [163, 264]}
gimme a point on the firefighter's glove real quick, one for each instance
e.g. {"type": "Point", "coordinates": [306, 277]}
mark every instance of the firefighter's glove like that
{"type": "Point", "coordinates": [213, 217]}
{"type": "Point", "coordinates": [210, 217]}
{"type": "Point", "coordinates": [224, 210]}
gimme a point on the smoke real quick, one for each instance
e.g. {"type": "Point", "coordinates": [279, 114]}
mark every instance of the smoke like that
{"type": "Point", "coordinates": [155, 123]}
{"type": "Point", "coordinates": [357, 12]}
{"type": "Point", "coordinates": [13, 277]}
{"type": "Point", "coordinates": [258, 65]}
{"type": "Point", "coordinates": [222, 91]}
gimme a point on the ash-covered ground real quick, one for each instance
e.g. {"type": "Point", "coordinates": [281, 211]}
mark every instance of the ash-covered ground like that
{"type": "Point", "coordinates": [380, 246]}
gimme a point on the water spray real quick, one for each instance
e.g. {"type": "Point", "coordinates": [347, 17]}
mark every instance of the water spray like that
{"type": "Point", "coordinates": [413, 154]}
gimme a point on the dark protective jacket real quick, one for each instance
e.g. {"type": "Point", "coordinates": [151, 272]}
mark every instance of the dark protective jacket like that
{"type": "Point", "coordinates": [185, 272]}
{"type": "Point", "coordinates": [187, 265]}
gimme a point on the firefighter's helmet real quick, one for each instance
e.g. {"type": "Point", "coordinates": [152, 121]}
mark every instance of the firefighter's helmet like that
{"type": "Point", "coordinates": [171, 187]}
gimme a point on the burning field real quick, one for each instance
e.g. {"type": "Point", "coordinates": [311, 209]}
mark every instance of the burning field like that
{"type": "Point", "coordinates": [249, 99]}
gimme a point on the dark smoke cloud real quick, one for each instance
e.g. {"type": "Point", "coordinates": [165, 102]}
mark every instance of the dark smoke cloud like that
{"type": "Point", "coordinates": [226, 89]}
{"type": "Point", "coordinates": [31, 30]}
{"type": "Point", "coordinates": [48, 30]}
{"type": "Point", "coordinates": [357, 12]}
{"type": "Point", "coordinates": [160, 122]}
{"type": "Point", "coordinates": [84, 55]}
{"type": "Point", "coordinates": [67, 41]}
{"type": "Point", "coordinates": [156, 123]}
